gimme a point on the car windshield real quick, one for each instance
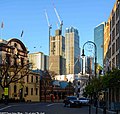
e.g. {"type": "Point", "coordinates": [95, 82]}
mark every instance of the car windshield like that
{"type": "Point", "coordinates": [83, 99]}
{"type": "Point", "coordinates": [72, 98]}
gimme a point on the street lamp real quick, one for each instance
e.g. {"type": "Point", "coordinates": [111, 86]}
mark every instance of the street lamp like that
{"type": "Point", "coordinates": [83, 54]}
{"type": "Point", "coordinates": [95, 68]}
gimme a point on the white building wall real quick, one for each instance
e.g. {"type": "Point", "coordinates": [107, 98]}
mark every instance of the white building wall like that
{"type": "Point", "coordinates": [37, 59]}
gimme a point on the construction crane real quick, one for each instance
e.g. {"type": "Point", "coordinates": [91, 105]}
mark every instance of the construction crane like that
{"type": "Point", "coordinates": [50, 27]}
{"type": "Point", "coordinates": [61, 22]}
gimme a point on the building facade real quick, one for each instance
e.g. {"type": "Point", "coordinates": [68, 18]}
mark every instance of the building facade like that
{"type": "Point", "coordinates": [106, 45]}
{"type": "Point", "coordinates": [89, 65]}
{"type": "Point", "coordinates": [112, 37]}
{"type": "Point", "coordinates": [72, 51]}
{"type": "Point", "coordinates": [15, 71]}
{"type": "Point", "coordinates": [57, 53]}
{"type": "Point", "coordinates": [112, 51]}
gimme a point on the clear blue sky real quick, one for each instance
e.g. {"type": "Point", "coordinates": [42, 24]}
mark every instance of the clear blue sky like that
{"type": "Point", "coordinates": [28, 15]}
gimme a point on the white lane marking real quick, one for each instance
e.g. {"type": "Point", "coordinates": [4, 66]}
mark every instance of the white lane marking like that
{"type": "Point", "coordinates": [53, 104]}
{"type": "Point", "coordinates": [50, 104]}
{"type": "Point", "coordinates": [5, 107]}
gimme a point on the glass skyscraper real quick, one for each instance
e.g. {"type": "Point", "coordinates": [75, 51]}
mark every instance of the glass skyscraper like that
{"type": "Point", "coordinates": [99, 41]}
{"type": "Point", "coordinates": [72, 51]}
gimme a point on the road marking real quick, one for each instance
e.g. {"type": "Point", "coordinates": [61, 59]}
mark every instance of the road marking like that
{"type": "Point", "coordinates": [50, 104]}
{"type": "Point", "coordinates": [53, 104]}
{"type": "Point", "coordinates": [7, 107]}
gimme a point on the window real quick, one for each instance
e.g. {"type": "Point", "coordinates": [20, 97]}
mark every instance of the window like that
{"type": "Point", "coordinates": [36, 91]}
{"type": "Point", "coordinates": [7, 59]}
{"type": "Point", "coordinates": [15, 61]}
{"type": "Point", "coordinates": [113, 19]}
{"type": "Point", "coordinates": [36, 79]}
{"type": "Point", "coordinates": [31, 78]}
{"type": "Point", "coordinates": [15, 44]}
{"type": "Point", "coordinates": [117, 28]}
{"type": "Point", "coordinates": [113, 48]}
{"type": "Point", "coordinates": [117, 44]}
{"type": "Point", "coordinates": [113, 63]}
{"type": "Point", "coordinates": [27, 78]}
{"type": "Point", "coordinates": [117, 60]}
{"type": "Point", "coordinates": [15, 89]}
{"type": "Point", "coordinates": [110, 39]}
{"type": "Point", "coordinates": [110, 24]}
{"type": "Point", "coordinates": [109, 53]}
{"type": "Point", "coordinates": [113, 34]}
{"type": "Point", "coordinates": [26, 90]}
{"type": "Point", "coordinates": [22, 61]}
{"type": "Point", "coordinates": [31, 91]}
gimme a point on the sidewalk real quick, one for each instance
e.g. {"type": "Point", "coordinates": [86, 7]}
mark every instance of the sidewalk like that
{"type": "Point", "coordinates": [100, 111]}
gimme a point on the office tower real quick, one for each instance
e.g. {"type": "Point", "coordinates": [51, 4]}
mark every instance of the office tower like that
{"type": "Point", "coordinates": [112, 52]}
{"type": "Point", "coordinates": [57, 53]}
{"type": "Point", "coordinates": [89, 65]}
{"type": "Point", "coordinates": [39, 61]}
{"type": "Point", "coordinates": [99, 41]}
{"type": "Point", "coordinates": [72, 51]}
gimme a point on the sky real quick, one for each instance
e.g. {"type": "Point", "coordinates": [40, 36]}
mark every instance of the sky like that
{"type": "Point", "coordinates": [29, 16]}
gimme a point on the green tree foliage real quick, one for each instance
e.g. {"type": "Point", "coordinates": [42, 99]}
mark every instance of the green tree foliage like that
{"type": "Point", "coordinates": [94, 85]}
{"type": "Point", "coordinates": [109, 80]}
{"type": "Point", "coordinates": [13, 73]}
{"type": "Point", "coordinates": [112, 79]}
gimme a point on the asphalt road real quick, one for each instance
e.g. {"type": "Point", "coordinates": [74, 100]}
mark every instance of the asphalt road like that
{"type": "Point", "coordinates": [44, 108]}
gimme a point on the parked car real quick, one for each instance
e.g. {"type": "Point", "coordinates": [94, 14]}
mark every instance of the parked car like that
{"type": "Point", "coordinates": [84, 101]}
{"type": "Point", "coordinates": [72, 101]}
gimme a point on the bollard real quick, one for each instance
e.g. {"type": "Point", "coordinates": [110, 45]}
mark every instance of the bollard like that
{"type": "Point", "coordinates": [117, 112]}
{"type": "Point", "coordinates": [96, 112]}
{"type": "Point", "coordinates": [104, 110]}
{"type": "Point", "coordinates": [89, 109]}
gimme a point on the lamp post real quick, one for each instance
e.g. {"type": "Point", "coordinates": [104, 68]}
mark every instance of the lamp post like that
{"type": "Point", "coordinates": [95, 68]}
{"type": "Point", "coordinates": [83, 54]}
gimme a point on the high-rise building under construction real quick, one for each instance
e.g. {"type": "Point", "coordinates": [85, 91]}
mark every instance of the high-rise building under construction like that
{"type": "Point", "coordinates": [57, 53]}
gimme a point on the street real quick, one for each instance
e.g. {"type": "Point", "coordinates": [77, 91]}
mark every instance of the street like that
{"type": "Point", "coordinates": [44, 108]}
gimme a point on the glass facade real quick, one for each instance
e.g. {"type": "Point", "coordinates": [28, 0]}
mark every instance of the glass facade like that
{"type": "Point", "coordinates": [99, 39]}
{"type": "Point", "coordinates": [72, 51]}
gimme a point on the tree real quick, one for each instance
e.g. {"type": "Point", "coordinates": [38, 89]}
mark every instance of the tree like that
{"type": "Point", "coordinates": [12, 73]}
{"type": "Point", "coordinates": [52, 74]}
{"type": "Point", "coordinates": [94, 86]}
{"type": "Point", "coordinates": [112, 79]}
{"type": "Point", "coordinates": [45, 84]}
